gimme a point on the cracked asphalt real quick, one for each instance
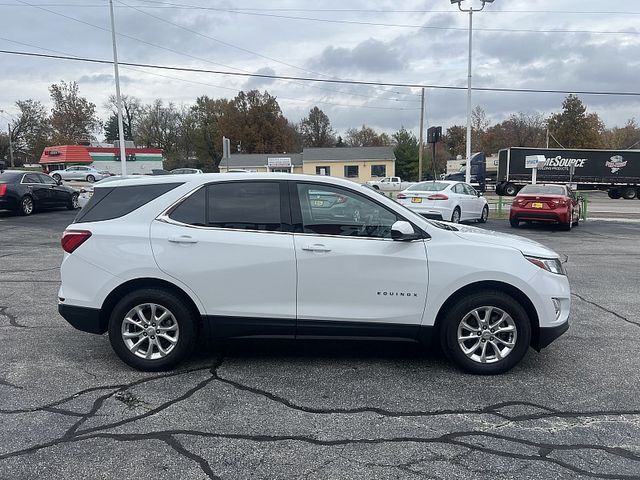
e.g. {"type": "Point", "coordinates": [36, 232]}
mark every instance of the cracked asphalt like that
{"type": "Point", "coordinates": [320, 410]}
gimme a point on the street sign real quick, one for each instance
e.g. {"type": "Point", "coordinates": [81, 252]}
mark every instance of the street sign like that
{"type": "Point", "coordinates": [434, 134]}
{"type": "Point", "coordinates": [534, 161]}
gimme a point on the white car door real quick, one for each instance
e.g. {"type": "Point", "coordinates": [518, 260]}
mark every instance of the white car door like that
{"type": "Point", "coordinates": [460, 199]}
{"type": "Point", "coordinates": [227, 243]}
{"type": "Point", "coordinates": [351, 274]}
{"type": "Point", "coordinates": [476, 203]}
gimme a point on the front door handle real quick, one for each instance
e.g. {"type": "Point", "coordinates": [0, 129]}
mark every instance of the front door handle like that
{"type": "Point", "coordinates": [182, 239]}
{"type": "Point", "coordinates": [316, 247]}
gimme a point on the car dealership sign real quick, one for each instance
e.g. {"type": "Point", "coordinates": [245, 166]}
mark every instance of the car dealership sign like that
{"type": "Point", "coordinates": [279, 162]}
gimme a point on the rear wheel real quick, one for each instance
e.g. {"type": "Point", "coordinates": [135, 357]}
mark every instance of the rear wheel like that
{"type": "Point", "coordinates": [487, 332]}
{"type": "Point", "coordinates": [485, 214]}
{"type": "Point", "coordinates": [514, 223]}
{"type": "Point", "coordinates": [567, 226]}
{"type": "Point", "coordinates": [57, 177]}
{"type": "Point", "coordinates": [629, 193]}
{"type": "Point", "coordinates": [152, 329]}
{"type": "Point", "coordinates": [26, 206]}
{"type": "Point", "coordinates": [614, 193]}
{"type": "Point", "coordinates": [91, 178]}
{"type": "Point", "coordinates": [500, 189]}
{"type": "Point", "coordinates": [510, 189]}
{"type": "Point", "coordinates": [455, 216]}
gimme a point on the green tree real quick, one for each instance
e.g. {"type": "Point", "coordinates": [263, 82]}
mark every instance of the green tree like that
{"type": "Point", "coordinates": [31, 131]}
{"type": "Point", "coordinates": [316, 130]}
{"type": "Point", "coordinates": [340, 142]}
{"type": "Point", "coordinates": [73, 118]}
{"type": "Point", "coordinates": [208, 113]}
{"type": "Point", "coordinates": [455, 139]}
{"type": "Point", "coordinates": [406, 152]}
{"type": "Point", "coordinates": [132, 110]}
{"type": "Point", "coordinates": [574, 127]}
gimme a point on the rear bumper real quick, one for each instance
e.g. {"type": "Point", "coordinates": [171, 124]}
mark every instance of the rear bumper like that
{"type": "Point", "coordinates": [83, 318]}
{"type": "Point", "coordinates": [546, 335]}
{"type": "Point", "coordinates": [561, 216]}
{"type": "Point", "coordinates": [7, 203]}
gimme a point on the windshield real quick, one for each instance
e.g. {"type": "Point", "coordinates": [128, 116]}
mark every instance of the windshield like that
{"type": "Point", "coordinates": [428, 187]}
{"type": "Point", "coordinates": [542, 190]}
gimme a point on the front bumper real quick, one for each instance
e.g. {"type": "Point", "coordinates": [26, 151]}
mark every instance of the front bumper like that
{"type": "Point", "coordinates": [83, 318]}
{"type": "Point", "coordinates": [546, 335]}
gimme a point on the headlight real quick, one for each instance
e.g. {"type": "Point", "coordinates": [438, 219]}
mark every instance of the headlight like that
{"type": "Point", "coordinates": [553, 265]}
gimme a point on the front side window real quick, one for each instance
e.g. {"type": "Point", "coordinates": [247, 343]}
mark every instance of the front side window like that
{"type": "Point", "coordinates": [323, 170]}
{"type": "Point", "coordinates": [469, 190]}
{"type": "Point", "coordinates": [378, 170]}
{"type": "Point", "coordinates": [328, 210]}
{"type": "Point", "coordinates": [244, 205]}
{"type": "Point", "coordinates": [47, 179]}
{"type": "Point", "coordinates": [351, 171]}
{"type": "Point", "coordinates": [457, 188]}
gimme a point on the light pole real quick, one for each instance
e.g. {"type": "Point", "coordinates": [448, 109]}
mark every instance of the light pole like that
{"type": "Point", "coordinates": [467, 176]}
{"type": "Point", "coordinates": [123, 152]}
{"type": "Point", "coordinates": [10, 141]}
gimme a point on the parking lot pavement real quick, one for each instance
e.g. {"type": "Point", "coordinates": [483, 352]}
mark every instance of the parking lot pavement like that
{"type": "Point", "coordinates": [318, 410]}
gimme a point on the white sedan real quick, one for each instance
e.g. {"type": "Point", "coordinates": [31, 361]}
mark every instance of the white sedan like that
{"type": "Point", "coordinates": [445, 200]}
{"type": "Point", "coordinates": [80, 172]}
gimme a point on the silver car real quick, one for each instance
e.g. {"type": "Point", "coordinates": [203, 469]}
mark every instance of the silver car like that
{"type": "Point", "coordinates": [80, 172]}
{"type": "Point", "coordinates": [87, 192]}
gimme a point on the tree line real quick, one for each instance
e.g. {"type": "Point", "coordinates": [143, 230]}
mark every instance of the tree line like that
{"type": "Point", "coordinates": [190, 135]}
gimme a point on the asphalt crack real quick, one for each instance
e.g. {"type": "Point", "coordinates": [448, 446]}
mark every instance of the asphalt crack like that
{"type": "Point", "coordinates": [615, 314]}
{"type": "Point", "coordinates": [13, 320]}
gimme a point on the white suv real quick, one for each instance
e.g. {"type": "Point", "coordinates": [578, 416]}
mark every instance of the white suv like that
{"type": "Point", "coordinates": [159, 261]}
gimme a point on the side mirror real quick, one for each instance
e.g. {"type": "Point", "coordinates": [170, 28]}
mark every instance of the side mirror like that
{"type": "Point", "coordinates": [403, 231]}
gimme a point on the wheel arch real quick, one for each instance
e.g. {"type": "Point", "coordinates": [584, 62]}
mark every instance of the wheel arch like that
{"type": "Point", "coordinates": [510, 290]}
{"type": "Point", "coordinates": [139, 283]}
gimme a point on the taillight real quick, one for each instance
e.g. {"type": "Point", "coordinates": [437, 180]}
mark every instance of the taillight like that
{"type": "Point", "coordinates": [3, 189]}
{"type": "Point", "coordinates": [518, 201]}
{"type": "Point", "coordinates": [401, 196]}
{"type": "Point", "coordinates": [72, 239]}
{"type": "Point", "coordinates": [438, 196]}
{"type": "Point", "coordinates": [560, 202]}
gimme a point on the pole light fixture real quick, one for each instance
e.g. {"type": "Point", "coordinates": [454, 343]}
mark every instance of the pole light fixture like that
{"type": "Point", "coordinates": [470, 10]}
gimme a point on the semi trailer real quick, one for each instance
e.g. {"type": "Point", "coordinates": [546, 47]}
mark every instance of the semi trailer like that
{"type": "Point", "coordinates": [616, 171]}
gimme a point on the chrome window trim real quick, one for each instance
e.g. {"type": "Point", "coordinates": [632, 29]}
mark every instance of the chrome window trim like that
{"type": "Point", "coordinates": [22, 182]}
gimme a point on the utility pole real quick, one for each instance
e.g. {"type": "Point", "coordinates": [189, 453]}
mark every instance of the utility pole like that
{"type": "Point", "coordinates": [547, 136]}
{"type": "Point", "coordinates": [123, 152]}
{"type": "Point", "coordinates": [10, 145]}
{"type": "Point", "coordinates": [420, 154]}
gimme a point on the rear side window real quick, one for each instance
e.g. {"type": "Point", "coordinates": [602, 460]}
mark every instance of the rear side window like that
{"type": "Point", "coordinates": [192, 211]}
{"type": "Point", "coordinates": [244, 205]}
{"type": "Point", "coordinates": [108, 203]}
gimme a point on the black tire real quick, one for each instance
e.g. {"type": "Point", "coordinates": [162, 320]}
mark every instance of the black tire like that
{"type": "Point", "coordinates": [184, 317]}
{"type": "Point", "coordinates": [26, 206]}
{"type": "Point", "coordinates": [456, 215]}
{"type": "Point", "coordinates": [510, 190]}
{"type": "Point", "coordinates": [376, 187]}
{"type": "Point", "coordinates": [91, 178]}
{"type": "Point", "coordinates": [477, 300]}
{"type": "Point", "coordinates": [73, 203]}
{"type": "Point", "coordinates": [57, 177]}
{"type": "Point", "coordinates": [614, 193]}
{"type": "Point", "coordinates": [514, 223]}
{"type": "Point", "coordinates": [500, 189]}
{"type": "Point", "coordinates": [485, 215]}
{"type": "Point", "coordinates": [567, 226]}
{"type": "Point", "coordinates": [629, 193]}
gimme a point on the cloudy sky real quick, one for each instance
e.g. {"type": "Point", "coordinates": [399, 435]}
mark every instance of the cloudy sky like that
{"type": "Point", "coordinates": [418, 42]}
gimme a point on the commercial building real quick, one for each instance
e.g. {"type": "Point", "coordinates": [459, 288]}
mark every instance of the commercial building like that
{"type": "Point", "coordinates": [107, 158]}
{"type": "Point", "coordinates": [359, 164]}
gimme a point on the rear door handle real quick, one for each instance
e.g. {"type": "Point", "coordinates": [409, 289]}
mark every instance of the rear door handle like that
{"type": "Point", "coordinates": [316, 248]}
{"type": "Point", "coordinates": [182, 239]}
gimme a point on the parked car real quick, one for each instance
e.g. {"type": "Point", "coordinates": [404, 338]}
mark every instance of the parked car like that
{"type": "Point", "coordinates": [160, 261]}
{"type": "Point", "coordinates": [389, 184]}
{"type": "Point", "coordinates": [80, 172]}
{"type": "Point", "coordinates": [545, 203]}
{"type": "Point", "coordinates": [183, 171]}
{"type": "Point", "coordinates": [446, 200]}
{"type": "Point", "coordinates": [26, 192]}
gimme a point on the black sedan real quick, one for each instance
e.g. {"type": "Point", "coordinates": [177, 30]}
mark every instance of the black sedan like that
{"type": "Point", "coordinates": [25, 192]}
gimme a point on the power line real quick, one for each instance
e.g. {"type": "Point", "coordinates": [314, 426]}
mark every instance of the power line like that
{"type": "Point", "coordinates": [399, 25]}
{"type": "Point", "coordinates": [322, 80]}
{"type": "Point", "coordinates": [242, 49]}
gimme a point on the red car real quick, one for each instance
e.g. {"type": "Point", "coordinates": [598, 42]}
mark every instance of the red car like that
{"type": "Point", "coordinates": [545, 203]}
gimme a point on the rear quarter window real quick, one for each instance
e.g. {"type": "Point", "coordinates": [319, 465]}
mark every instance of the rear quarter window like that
{"type": "Point", "coordinates": [108, 203]}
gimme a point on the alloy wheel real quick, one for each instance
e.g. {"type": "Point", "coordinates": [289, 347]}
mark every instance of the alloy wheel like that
{"type": "Point", "coordinates": [27, 205]}
{"type": "Point", "coordinates": [455, 218]}
{"type": "Point", "coordinates": [487, 334]}
{"type": "Point", "coordinates": [150, 331]}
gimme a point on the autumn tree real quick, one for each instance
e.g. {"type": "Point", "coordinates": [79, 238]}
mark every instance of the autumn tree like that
{"type": "Point", "coordinates": [158, 127]}
{"type": "Point", "coordinates": [455, 140]}
{"type": "Point", "coordinates": [30, 132]}
{"type": "Point", "coordinates": [208, 113]}
{"type": "Point", "coordinates": [574, 127]}
{"type": "Point", "coordinates": [366, 137]}
{"type": "Point", "coordinates": [406, 152]}
{"type": "Point", "coordinates": [316, 130]}
{"type": "Point", "coordinates": [519, 130]}
{"type": "Point", "coordinates": [479, 124]}
{"type": "Point", "coordinates": [73, 117]}
{"type": "Point", "coordinates": [622, 138]}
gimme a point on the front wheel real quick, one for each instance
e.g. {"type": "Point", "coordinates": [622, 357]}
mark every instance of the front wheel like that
{"type": "Point", "coordinates": [485, 214]}
{"type": "Point", "coordinates": [152, 329]}
{"type": "Point", "coordinates": [73, 203]}
{"type": "Point", "coordinates": [91, 178]}
{"type": "Point", "coordinates": [486, 332]}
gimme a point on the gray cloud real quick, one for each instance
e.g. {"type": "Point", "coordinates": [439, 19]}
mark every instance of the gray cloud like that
{"type": "Point", "coordinates": [102, 78]}
{"type": "Point", "coordinates": [259, 82]}
{"type": "Point", "coordinates": [371, 56]}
